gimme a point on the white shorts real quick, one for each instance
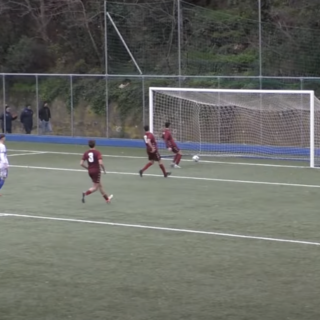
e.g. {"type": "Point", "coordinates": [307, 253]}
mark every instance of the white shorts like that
{"type": "Point", "coordinates": [3, 173]}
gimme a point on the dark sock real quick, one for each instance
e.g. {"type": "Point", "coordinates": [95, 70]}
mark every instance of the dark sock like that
{"type": "Point", "coordinates": [178, 158]}
{"type": "Point", "coordinates": [149, 164]}
{"type": "Point", "coordinates": [163, 169]}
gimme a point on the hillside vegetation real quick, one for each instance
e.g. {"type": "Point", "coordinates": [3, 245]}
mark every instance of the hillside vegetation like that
{"type": "Point", "coordinates": [217, 38]}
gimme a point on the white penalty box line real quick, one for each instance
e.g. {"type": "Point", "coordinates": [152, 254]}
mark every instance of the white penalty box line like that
{"type": "Point", "coordinates": [183, 159]}
{"type": "Point", "coordinates": [25, 153]}
{"type": "Point", "coordinates": [177, 177]}
{"type": "Point", "coordinates": [166, 229]}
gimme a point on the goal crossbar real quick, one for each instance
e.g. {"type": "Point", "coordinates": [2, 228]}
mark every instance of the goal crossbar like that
{"type": "Point", "coordinates": [231, 90]}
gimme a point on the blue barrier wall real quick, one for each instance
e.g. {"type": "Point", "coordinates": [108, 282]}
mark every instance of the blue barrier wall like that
{"type": "Point", "coordinates": [128, 143]}
{"type": "Point", "coordinates": [255, 151]}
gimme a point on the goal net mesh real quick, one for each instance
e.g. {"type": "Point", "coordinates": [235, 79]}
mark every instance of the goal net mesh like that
{"type": "Point", "coordinates": [260, 125]}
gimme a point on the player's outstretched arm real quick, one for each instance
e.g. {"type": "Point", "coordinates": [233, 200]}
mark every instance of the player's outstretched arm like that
{"type": "Point", "coordinates": [166, 138]}
{"type": "Point", "coordinates": [148, 142]}
{"type": "Point", "coordinates": [168, 146]}
{"type": "Point", "coordinates": [3, 158]}
{"type": "Point", "coordinates": [83, 165]}
{"type": "Point", "coordinates": [102, 166]}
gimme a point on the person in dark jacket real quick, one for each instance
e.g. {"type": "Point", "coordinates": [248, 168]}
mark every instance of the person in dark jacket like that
{"type": "Point", "coordinates": [26, 118]}
{"type": "Point", "coordinates": [7, 119]}
{"type": "Point", "coordinates": [45, 116]}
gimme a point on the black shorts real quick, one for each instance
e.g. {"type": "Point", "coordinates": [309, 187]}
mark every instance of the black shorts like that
{"type": "Point", "coordinates": [154, 156]}
{"type": "Point", "coordinates": [175, 149]}
{"type": "Point", "coordinates": [95, 176]}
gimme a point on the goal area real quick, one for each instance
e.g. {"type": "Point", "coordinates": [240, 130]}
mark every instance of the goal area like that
{"type": "Point", "coordinates": [261, 124]}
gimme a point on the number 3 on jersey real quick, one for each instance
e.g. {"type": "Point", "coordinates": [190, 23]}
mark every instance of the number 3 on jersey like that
{"type": "Point", "coordinates": [90, 157]}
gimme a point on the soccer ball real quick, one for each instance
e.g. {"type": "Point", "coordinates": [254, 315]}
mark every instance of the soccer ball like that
{"type": "Point", "coordinates": [195, 158]}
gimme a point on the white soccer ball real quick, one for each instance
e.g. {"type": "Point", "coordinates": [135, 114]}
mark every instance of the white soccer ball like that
{"type": "Point", "coordinates": [195, 158]}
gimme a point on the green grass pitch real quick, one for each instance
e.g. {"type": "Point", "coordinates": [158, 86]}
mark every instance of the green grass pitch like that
{"type": "Point", "coordinates": [217, 240]}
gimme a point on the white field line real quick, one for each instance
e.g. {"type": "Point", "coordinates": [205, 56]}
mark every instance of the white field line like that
{"type": "Point", "coordinates": [178, 177]}
{"type": "Point", "coordinates": [147, 227]}
{"type": "Point", "coordinates": [188, 160]}
{"type": "Point", "coordinates": [26, 154]}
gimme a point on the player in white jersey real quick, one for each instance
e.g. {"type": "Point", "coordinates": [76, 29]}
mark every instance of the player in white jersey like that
{"type": "Point", "coordinates": [4, 163]}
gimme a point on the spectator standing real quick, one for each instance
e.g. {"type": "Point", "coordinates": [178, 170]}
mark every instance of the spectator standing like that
{"type": "Point", "coordinates": [26, 118]}
{"type": "Point", "coordinates": [45, 116]}
{"type": "Point", "coordinates": [7, 117]}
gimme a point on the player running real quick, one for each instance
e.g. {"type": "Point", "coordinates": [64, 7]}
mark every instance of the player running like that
{"type": "Point", "coordinates": [4, 163]}
{"type": "Point", "coordinates": [171, 146]}
{"type": "Point", "coordinates": [95, 164]}
{"type": "Point", "coordinates": [153, 153]}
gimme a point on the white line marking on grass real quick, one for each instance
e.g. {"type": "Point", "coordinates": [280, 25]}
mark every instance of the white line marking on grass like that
{"type": "Point", "coordinates": [212, 233]}
{"type": "Point", "coordinates": [80, 154]}
{"type": "Point", "coordinates": [178, 177]}
{"type": "Point", "coordinates": [187, 160]}
{"type": "Point", "coordinates": [26, 154]}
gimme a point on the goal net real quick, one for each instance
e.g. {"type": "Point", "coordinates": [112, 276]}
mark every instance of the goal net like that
{"type": "Point", "coordinates": [266, 124]}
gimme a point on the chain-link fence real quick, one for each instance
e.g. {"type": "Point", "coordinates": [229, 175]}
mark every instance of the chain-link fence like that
{"type": "Point", "coordinates": [112, 106]}
{"type": "Point", "coordinates": [167, 43]}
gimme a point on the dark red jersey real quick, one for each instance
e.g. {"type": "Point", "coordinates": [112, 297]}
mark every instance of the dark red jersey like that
{"type": "Point", "coordinates": [150, 136]}
{"type": "Point", "coordinates": [168, 139]}
{"type": "Point", "coordinates": [92, 157]}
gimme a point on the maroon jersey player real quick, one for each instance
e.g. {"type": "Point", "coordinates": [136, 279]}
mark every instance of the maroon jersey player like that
{"type": "Point", "coordinates": [94, 165]}
{"type": "Point", "coordinates": [171, 145]}
{"type": "Point", "coordinates": [153, 153]}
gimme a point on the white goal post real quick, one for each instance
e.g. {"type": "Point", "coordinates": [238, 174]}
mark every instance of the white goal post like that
{"type": "Point", "coordinates": [263, 124]}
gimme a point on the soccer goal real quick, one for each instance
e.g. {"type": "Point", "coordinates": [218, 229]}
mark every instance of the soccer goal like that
{"type": "Point", "coordinates": [265, 124]}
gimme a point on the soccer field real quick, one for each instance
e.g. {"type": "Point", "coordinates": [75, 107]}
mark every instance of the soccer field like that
{"type": "Point", "coordinates": [217, 240]}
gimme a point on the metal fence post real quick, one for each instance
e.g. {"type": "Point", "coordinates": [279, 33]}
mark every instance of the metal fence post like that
{"type": "Point", "coordinates": [301, 115]}
{"type": "Point", "coordinates": [179, 63]}
{"type": "Point", "coordinates": [260, 68]}
{"type": "Point", "coordinates": [179, 22]}
{"type": "Point", "coordinates": [37, 102]}
{"type": "Point", "coordinates": [143, 101]}
{"type": "Point", "coordinates": [107, 105]}
{"type": "Point", "coordinates": [260, 42]}
{"type": "Point", "coordinates": [4, 102]}
{"type": "Point", "coordinates": [106, 68]}
{"type": "Point", "coordinates": [219, 110]}
{"type": "Point", "coordinates": [71, 105]}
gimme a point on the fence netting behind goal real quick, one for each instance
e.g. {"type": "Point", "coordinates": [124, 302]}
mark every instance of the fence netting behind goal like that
{"type": "Point", "coordinates": [259, 125]}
